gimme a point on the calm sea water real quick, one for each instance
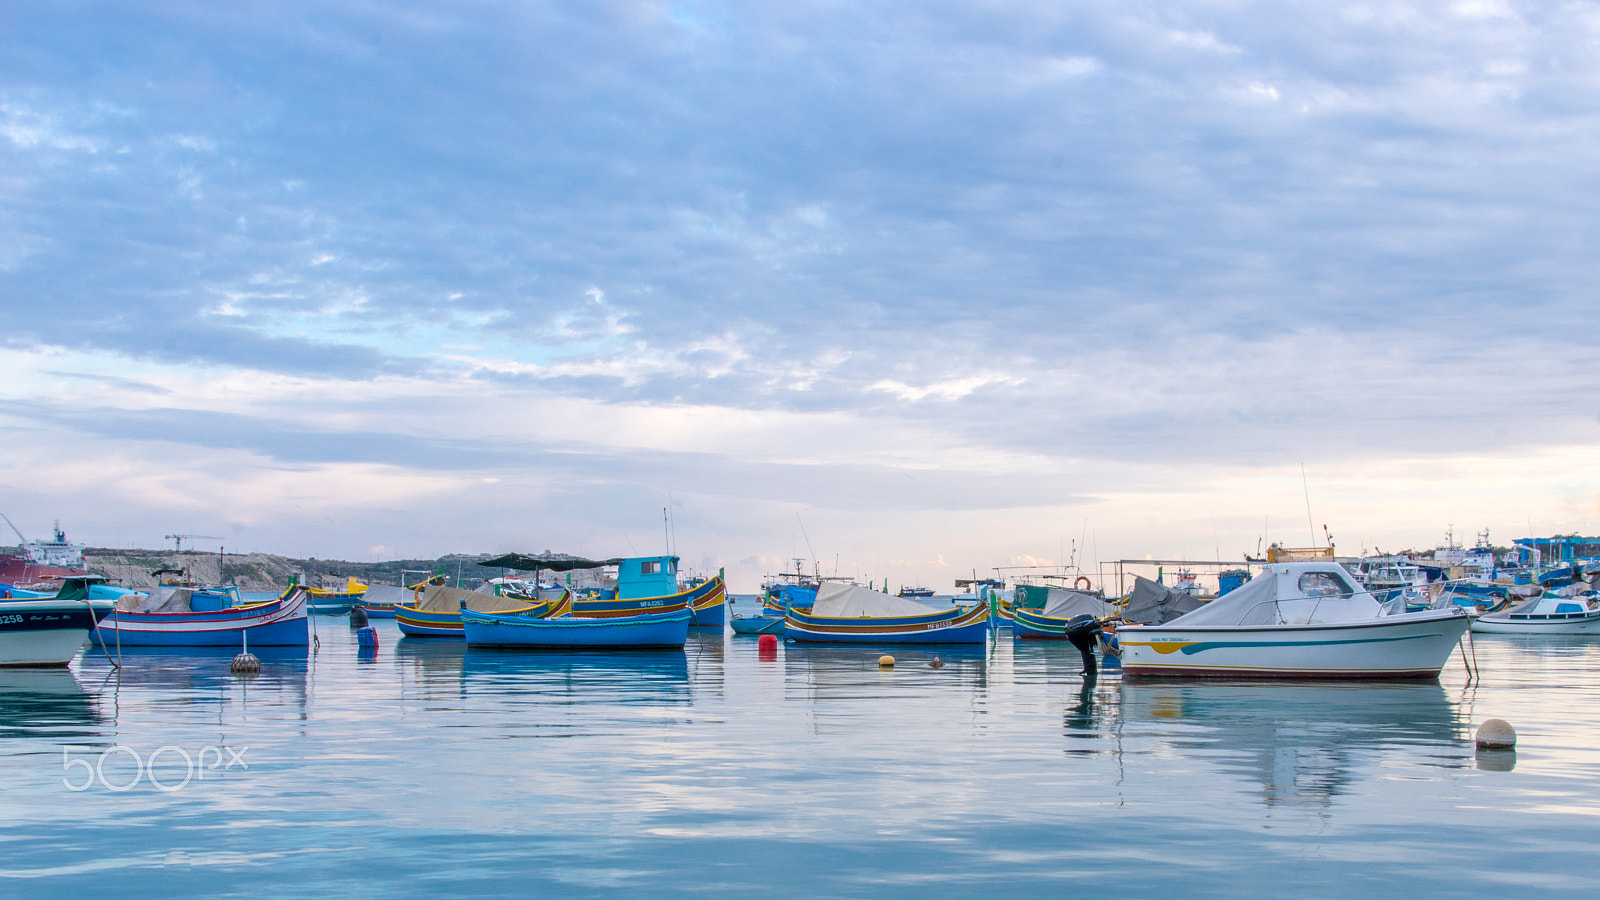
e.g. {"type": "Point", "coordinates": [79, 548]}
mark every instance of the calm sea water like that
{"type": "Point", "coordinates": [430, 769]}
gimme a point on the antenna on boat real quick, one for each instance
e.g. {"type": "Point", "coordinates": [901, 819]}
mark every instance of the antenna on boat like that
{"type": "Point", "coordinates": [809, 548]}
{"type": "Point", "coordinates": [666, 531]}
{"type": "Point", "coordinates": [1307, 488]}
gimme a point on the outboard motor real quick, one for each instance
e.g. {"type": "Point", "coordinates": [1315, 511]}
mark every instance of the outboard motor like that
{"type": "Point", "coordinates": [1084, 632]}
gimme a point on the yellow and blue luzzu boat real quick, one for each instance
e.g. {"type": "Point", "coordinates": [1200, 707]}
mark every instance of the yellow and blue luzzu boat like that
{"type": "Point", "coordinates": [435, 610]}
{"type": "Point", "coordinates": [848, 613]}
{"type": "Point", "coordinates": [330, 603]}
{"type": "Point", "coordinates": [644, 584]}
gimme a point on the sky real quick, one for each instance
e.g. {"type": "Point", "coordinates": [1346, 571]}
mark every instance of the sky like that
{"type": "Point", "coordinates": [914, 289]}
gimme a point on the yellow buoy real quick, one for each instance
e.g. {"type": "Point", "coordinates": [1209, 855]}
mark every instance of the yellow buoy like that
{"type": "Point", "coordinates": [886, 661]}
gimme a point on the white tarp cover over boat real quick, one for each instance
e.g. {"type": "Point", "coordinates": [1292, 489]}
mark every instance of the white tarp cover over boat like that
{"type": "Point", "coordinates": [385, 594]}
{"type": "Point", "coordinates": [1153, 603]}
{"type": "Point", "coordinates": [163, 598]}
{"type": "Point", "coordinates": [1289, 594]}
{"type": "Point", "coordinates": [438, 598]}
{"type": "Point", "coordinates": [1065, 603]}
{"type": "Point", "coordinates": [851, 601]}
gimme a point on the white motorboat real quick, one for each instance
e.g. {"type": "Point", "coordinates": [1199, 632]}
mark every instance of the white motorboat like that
{"type": "Point", "coordinates": [49, 631]}
{"type": "Point", "coordinates": [1296, 620]}
{"type": "Point", "coordinates": [1546, 614]}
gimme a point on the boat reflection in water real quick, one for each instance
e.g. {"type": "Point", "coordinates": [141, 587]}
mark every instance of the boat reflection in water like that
{"type": "Point", "coordinates": [46, 703]}
{"type": "Point", "coordinates": [594, 677]}
{"type": "Point", "coordinates": [842, 672]}
{"type": "Point", "coordinates": [435, 668]}
{"type": "Point", "coordinates": [1305, 743]}
{"type": "Point", "coordinates": [199, 675]}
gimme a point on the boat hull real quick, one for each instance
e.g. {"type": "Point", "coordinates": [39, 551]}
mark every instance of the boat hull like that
{"type": "Point", "coordinates": [957, 626]}
{"type": "Point", "coordinates": [276, 623]}
{"type": "Point", "coordinates": [422, 623]}
{"type": "Point", "coordinates": [657, 630]}
{"type": "Point", "coordinates": [42, 632]}
{"type": "Point", "coordinates": [1416, 645]}
{"type": "Point", "coordinates": [1032, 626]}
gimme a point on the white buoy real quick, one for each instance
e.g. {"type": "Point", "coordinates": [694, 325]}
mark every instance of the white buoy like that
{"type": "Point", "coordinates": [1496, 734]}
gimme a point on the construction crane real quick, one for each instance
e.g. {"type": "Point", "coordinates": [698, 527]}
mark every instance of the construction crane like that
{"type": "Point", "coordinates": [178, 539]}
{"type": "Point", "coordinates": [14, 527]}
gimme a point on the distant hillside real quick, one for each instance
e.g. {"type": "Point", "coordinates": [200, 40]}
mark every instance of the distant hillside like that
{"type": "Point", "coordinates": [267, 572]}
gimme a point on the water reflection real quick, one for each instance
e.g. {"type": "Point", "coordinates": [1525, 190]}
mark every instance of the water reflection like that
{"type": "Point", "coordinates": [1305, 744]}
{"type": "Point", "coordinates": [198, 676]}
{"type": "Point", "coordinates": [48, 703]}
{"type": "Point", "coordinates": [435, 668]}
{"type": "Point", "coordinates": [612, 676]}
{"type": "Point", "coordinates": [838, 672]}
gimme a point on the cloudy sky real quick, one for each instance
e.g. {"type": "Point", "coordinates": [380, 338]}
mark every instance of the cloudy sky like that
{"type": "Point", "coordinates": [924, 287]}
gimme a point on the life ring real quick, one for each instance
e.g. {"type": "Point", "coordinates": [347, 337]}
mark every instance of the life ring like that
{"type": "Point", "coordinates": [1083, 583]}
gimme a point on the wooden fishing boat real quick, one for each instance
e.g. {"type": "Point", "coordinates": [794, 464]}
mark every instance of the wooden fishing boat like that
{"type": "Point", "coordinates": [659, 629]}
{"type": "Point", "coordinates": [167, 617]}
{"type": "Point", "coordinates": [644, 584]}
{"type": "Point", "coordinates": [1295, 620]}
{"type": "Point", "coordinates": [49, 631]}
{"type": "Point", "coordinates": [848, 613]}
{"type": "Point", "coordinates": [435, 609]}
{"type": "Point", "coordinates": [1060, 606]}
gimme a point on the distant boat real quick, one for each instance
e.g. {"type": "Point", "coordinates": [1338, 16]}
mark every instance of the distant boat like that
{"type": "Point", "coordinates": [915, 593]}
{"type": "Point", "coordinates": [49, 631]}
{"type": "Point", "coordinates": [168, 616]}
{"type": "Point", "coordinates": [1547, 614]}
{"type": "Point", "coordinates": [666, 629]}
{"type": "Point", "coordinates": [380, 600]}
{"type": "Point", "coordinates": [1295, 620]}
{"type": "Point", "coordinates": [331, 602]}
{"type": "Point", "coordinates": [848, 613]}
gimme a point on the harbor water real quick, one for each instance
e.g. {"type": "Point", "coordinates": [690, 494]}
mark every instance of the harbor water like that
{"type": "Point", "coordinates": [427, 768]}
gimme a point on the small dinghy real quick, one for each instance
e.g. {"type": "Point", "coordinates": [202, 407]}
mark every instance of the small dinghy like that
{"type": "Point", "coordinates": [1547, 614]}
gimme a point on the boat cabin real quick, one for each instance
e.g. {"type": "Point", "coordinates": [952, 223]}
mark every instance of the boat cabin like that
{"type": "Point", "coordinates": [647, 576]}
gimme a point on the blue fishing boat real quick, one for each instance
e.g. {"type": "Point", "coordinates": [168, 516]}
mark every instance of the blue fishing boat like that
{"type": "Point", "coordinates": [48, 631]}
{"type": "Point", "coordinates": [848, 613]}
{"type": "Point", "coordinates": [663, 629]}
{"type": "Point", "coordinates": [177, 616]}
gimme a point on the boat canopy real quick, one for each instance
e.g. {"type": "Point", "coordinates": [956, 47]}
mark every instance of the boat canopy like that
{"type": "Point", "coordinates": [1153, 603]}
{"type": "Point", "coordinates": [850, 601]}
{"type": "Point", "coordinates": [1302, 593]}
{"type": "Point", "coordinates": [1064, 603]}
{"type": "Point", "coordinates": [438, 598]}
{"type": "Point", "coordinates": [546, 564]}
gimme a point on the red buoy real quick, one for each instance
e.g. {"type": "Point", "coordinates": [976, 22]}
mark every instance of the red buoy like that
{"type": "Point", "coordinates": [767, 642]}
